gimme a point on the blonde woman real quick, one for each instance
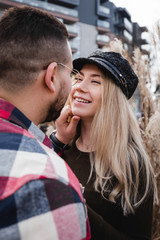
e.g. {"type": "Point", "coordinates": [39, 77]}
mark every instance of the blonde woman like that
{"type": "Point", "coordinates": [107, 154]}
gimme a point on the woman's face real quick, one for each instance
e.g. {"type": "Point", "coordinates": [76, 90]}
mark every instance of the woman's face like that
{"type": "Point", "coordinates": [85, 96]}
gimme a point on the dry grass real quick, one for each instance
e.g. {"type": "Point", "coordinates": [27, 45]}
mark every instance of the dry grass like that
{"type": "Point", "coordinates": [150, 129]}
{"type": "Point", "coordinates": [150, 108]}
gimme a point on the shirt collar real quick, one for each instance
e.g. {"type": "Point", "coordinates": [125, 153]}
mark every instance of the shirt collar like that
{"type": "Point", "coordinates": [12, 114]}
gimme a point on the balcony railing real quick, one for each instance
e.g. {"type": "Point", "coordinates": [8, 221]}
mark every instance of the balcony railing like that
{"type": "Point", "coordinates": [127, 36]}
{"type": "Point", "coordinates": [72, 28]}
{"type": "Point", "coordinates": [128, 25]}
{"type": "Point", "coordinates": [103, 24]}
{"type": "Point", "coordinates": [74, 43]}
{"type": "Point", "coordinates": [103, 38]}
{"type": "Point", "coordinates": [124, 25]}
{"type": "Point", "coordinates": [103, 11]}
{"type": "Point", "coordinates": [50, 7]}
{"type": "Point", "coordinates": [143, 41]}
{"type": "Point", "coordinates": [70, 2]}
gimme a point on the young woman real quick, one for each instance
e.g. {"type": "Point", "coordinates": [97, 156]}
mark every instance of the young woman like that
{"type": "Point", "coordinates": [107, 154]}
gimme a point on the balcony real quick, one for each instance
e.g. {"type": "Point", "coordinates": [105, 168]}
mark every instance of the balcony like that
{"type": "Point", "coordinates": [103, 11]}
{"type": "Point", "coordinates": [103, 26]}
{"type": "Point", "coordinates": [103, 1]}
{"type": "Point", "coordinates": [72, 3]}
{"type": "Point", "coordinates": [59, 11]}
{"type": "Point", "coordinates": [124, 12]}
{"type": "Point", "coordinates": [128, 25]}
{"type": "Point", "coordinates": [124, 24]}
{"type": "Point", "coordinates": [128, 36]}
{"type": "Point", "coordinates": [102, 39]}
{"type": "Point", "coordinates": [145, 49]}
{"type": "Point", "coordinates": [73, 30]}
{"type": "Point", "coordinates": [144, 29]}
{"type": "Point", "coordinates": [74, 43]}
{"type": "Point", "coordinates": [143, 41]}
{"type": "Point", "coordinates": [120, 25]}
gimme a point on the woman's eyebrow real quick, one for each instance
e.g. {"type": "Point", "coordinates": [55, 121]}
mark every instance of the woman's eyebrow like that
{"type": "Point", "coordinates": [95, 75]}
{"type": "Point", "coordinates": [92, 74]}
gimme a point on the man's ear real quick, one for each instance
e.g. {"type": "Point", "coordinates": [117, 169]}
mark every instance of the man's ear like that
{"type": "Point", "coordinates": [50, 76]}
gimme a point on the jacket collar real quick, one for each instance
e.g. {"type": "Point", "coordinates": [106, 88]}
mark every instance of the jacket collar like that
{"type": "Point", "coordinates": [12, 114]}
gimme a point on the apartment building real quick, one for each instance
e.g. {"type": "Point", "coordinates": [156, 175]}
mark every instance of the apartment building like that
{"type": "Point", "coordinates": [91, 24]}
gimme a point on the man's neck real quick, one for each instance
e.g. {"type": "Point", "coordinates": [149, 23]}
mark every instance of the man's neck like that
{"type": "Point", "coordinates": [24, 103]}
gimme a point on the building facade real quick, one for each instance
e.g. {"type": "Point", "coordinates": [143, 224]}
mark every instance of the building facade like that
{"type": "Point", "coordinates": [91, 24]}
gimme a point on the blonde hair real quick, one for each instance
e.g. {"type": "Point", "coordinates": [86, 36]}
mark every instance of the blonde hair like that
{"type": "Point", "coordinates": [120, 162]}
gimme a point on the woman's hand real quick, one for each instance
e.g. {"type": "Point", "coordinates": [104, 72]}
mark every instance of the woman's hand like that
{"type": "Point", "coordinates": [66, 125]}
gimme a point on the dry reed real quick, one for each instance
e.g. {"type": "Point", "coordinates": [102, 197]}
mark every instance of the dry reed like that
{"type": "Point", "coordinates": [150, 107]}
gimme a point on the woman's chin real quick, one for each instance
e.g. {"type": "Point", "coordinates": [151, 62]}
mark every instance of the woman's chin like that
{"type": "Point", "coordinates": [75, 112]}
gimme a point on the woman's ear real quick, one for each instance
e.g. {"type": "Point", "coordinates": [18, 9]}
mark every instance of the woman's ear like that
{"type": "Point", "coordinates": [50, 76]}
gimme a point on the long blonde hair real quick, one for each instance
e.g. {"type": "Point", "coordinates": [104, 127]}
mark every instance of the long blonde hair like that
{"type": "Point", "coordinates": [120, 162]}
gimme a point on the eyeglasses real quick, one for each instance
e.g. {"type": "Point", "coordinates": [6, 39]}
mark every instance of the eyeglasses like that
{"type": "Point", "coordinates": [75, 74]}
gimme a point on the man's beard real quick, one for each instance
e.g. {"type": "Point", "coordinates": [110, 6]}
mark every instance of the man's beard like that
{"type": "Point", "coordinates": [56, 107]}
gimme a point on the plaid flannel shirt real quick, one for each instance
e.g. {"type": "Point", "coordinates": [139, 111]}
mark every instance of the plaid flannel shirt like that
{"type": "Point", "coordinates": [40, 197]}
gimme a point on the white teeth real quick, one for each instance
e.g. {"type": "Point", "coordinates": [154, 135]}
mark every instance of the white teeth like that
{"type": "Point", "coordinates": [81, 100]}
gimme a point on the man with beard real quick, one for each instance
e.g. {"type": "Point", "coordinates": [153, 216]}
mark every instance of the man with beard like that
{"type": "Point", "coordinates": [40, 196]}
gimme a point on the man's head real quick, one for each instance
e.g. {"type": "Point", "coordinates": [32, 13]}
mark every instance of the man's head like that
{"type": "Point", "coordinates": [32, 42]}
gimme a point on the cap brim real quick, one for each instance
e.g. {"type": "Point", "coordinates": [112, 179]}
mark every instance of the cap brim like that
{"type": "Point", "coordinates": [80, 62]}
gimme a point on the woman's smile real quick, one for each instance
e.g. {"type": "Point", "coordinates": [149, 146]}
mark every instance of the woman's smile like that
{"type": "Point", "coordinates": [81, 100]}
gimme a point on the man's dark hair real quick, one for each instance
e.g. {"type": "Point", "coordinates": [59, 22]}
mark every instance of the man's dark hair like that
{"type": "Point", "coordinates": [30, 39]}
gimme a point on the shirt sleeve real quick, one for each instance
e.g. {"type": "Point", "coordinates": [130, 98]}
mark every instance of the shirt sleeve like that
{"type": "Point", "coordinates": [44, 209]}
{"type": "Point", "coordinates": [58, 146]}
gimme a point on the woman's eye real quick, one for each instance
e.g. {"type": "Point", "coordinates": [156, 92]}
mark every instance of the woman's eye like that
{"type": "Point", "coordinates": [76, 80]}
{"type": "Point", "coordinates": [96, 82]}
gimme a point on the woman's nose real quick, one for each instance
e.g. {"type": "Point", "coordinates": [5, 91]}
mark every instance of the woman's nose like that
{"type": "Point", "coordinates": [83, 86]}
